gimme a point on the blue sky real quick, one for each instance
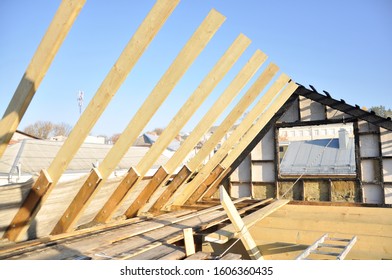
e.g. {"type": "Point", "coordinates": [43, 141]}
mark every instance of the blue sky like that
{"type": "Point", "coordinates": [343, 47]}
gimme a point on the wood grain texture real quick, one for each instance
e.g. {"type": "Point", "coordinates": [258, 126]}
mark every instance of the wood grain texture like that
{"type": "Point", "coordinates": [239, 225]}
{"type": "Point", "coordinates": [116, 76]}
{"type": "Point", "coordinates": [228, 232]}
{"type": "Point", "coordinates": [235, 136]}
{"type": "Point", "coordinates": [205, 88]}
{"type": "Point", "coordinates": [37, 68]}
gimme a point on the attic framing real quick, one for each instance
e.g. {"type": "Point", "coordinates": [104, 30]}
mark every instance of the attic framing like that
{"type": "Point", "coordinates": [182, 195]}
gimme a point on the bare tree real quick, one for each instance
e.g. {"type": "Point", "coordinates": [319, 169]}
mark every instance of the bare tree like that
{"type": "Point", "coordinates": [114, 138]}
{"type": "Point", "coordinates": [158, 131]}
{"type": "Point", "coordinates": [62, 129]}
{"type": "Point", "coordinates": [46, 129]}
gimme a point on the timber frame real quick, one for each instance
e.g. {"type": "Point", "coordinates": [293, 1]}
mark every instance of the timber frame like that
{"type": "Point", "coordinates": [184, 193]}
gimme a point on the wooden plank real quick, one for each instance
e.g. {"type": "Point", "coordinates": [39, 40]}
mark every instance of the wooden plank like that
{"type": "Point", "coordinates": [202, 187]}
{"type": "Point", "coordinates": [208, 119]}
{"type": "Point", "coordinates": [189, 243]}
{"type": "Point", "coordinates": [128, 58]}
{"type": "Point", "coordinates": [235, 136]}
{"type": "Point", "coordinates": [74, 210]}
{"type": "Point", "coordinates": [177, 254]}
{"type": "Point", "coordinates": [228, 122]}
{"type": "Point", "coordinates": [205, 88]}
{"type": "Point", "coordinates": [292, 101]}
{"type": "Point", "coordinates": [239, 225]}
{"type": "Point", "coordinates": [228, 232]}
{"type": "Point", "coordinates": [237, 84]}
{"type": "Point", "coordinates": [198, 256]}
{"type": "Point", "coordinates": [124, 237]}
{"type": "Point", "coordinates": [19, 223]}
{"type": "Point", "coordinates": [58, 29]}
{"type": "Point", "coordinates": [193, 47]}
{"type": "Point", "coordinates": [256, 128]}
{"type": "Point", "coordinates": [234, 114]}
{"type": "Point", "coordinates": [182, 176]}
{"type": "Point", "coordinates": [160, 92]}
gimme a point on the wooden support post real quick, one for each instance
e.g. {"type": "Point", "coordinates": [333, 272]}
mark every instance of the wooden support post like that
{"type": "Point", "coordinates": [250, 134]}
{"type": "Point", "coordinates": [39, 65]}
{"type": "Point", "coordinates": [205, 123]}
{"type": "Point", "coordinates": [188, 241]}
{"type": "Point", "coordinates": [239, 225]}
{"type": "Point", "coordinates": [235, 136]}
{"type": "Point", "coordinates": [171, 131]}
{"type": "Point", "coordinates": [128, 58]}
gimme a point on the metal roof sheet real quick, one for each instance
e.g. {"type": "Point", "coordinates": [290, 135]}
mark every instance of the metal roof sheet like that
{"type": "Point", "coordinates": [314, 157]}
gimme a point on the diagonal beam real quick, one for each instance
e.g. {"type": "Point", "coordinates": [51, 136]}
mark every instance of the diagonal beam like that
{"type": "Point", "coordinates": [128, 58]}
{"type": "Point", "coordinates": [227, 172]}
{"type": "Point", "coordinates": [36, 70]}
{"type": "Point", "coordinates": [188, 169]}
{"type": "Point", "coordinates": [246, 139]}
{"type": "Point", "coordinates": [239, 226]}
{"type": "Point", "coordinates": [171, 131]}
{"type": "Point", "coordinates": [177, 69]}
{"type": "Point", "coordinates": [235, 136]}
{"type": "Point", "coordinates": [165, 172]}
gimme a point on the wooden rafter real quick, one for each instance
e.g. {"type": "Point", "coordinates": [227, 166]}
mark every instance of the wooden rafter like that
{"type": "Point", "coordinates": [177, 69]}
{"type": "Point", "coordinates": [36, 70]}
{"type": "Point", "coordinates": [171, 131]}
{"type": "Point", "coordinates": [165, 172]}
{"type": "Point", "coordinates": [128, 58]}
{"type": "Point", "coordinates": [250, 135]}
{"type": "Point", "coordinates": [188, 169]}
{"type": "Point", "coordinates": [195, 185]}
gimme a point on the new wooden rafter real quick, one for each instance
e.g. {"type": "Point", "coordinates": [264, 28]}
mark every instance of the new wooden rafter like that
{"type": "Point", "coordinates": [177, 69]}
{"type": "Point", "coordinates": [39, 65]}
{"type": "Point", "coordinates": [165, 172]}
{"type": "Point", "coordinates": [208, 171]}
{"type": "Point", "coordinates": [188, 169]}
{"type": "Point", "coordinates": [135, 175]}
{"type": "Point", "coordinates": [128, 58]}
{"type": "Point", "coordinates": [215, 185]}
{"type": "Point", "coordinates": [246, 139]}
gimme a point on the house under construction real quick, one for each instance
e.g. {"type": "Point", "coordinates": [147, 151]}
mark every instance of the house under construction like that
{"type": "Point", "coordinates": [311, 197]}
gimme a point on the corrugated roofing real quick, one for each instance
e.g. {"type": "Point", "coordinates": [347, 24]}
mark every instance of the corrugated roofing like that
{"type": "Point", "coordinates": [315, 157]}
